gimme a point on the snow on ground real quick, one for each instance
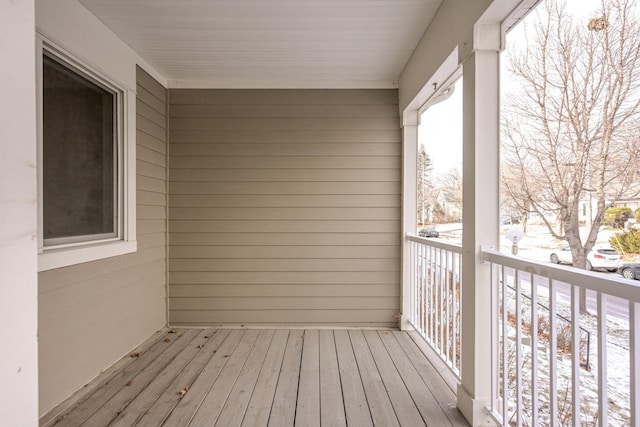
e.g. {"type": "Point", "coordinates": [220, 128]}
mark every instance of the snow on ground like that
{"type": "Point", "coordinates": [538, 245]}
{"type": "Point", "coordinates": [618, 385]}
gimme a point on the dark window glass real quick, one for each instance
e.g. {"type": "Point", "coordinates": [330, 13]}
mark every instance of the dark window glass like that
{"type": "Point", "coordinates": [608, 251]}
{"type": "Point", "coordinates": [79, 156]}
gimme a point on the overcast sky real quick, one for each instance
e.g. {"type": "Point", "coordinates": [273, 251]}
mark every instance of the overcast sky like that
{"type": "Point", "coordinates": [441, 125]}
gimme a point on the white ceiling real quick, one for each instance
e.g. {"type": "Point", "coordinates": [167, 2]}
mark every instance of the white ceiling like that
{"type": "Point", "coordinates": [271, 43]}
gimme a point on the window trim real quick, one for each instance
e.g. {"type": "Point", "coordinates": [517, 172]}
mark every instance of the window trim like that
{"type": "Point", "coordinates": [66, 254]}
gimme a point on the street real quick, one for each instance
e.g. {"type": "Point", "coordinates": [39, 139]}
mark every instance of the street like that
{"type": "Point", "coordinates": [616, 307]}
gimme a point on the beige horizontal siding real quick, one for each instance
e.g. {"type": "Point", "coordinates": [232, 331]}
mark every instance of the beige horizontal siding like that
{"type": "Point", "coordinates": [284, 264]}
{"type": "Point", "coordinates": [253, 136]}
{"type": "Point", "coordinates": [282, 187]}
{"type": "Point", "coordinates": [288, 201]}
{"type": "Point", "coordinates": [289, 162]}
{"type": "Point", "coordinates": [288, 252]}
{"type": "Point", "coordinates": [360, 214]}
{"type": "Point", "coordinates": [285, 175]}
{"type": "Point", "coordinates": [91, 314]}
{"type": "Point", "coordinates": [356, 97]}
{"type": "Point", "coordinates": [282, 110]}
{"type": "Point", "coordinates": [284, 206]}
{"type": "Point", "coordinates": [280, 123]}
{"type": "Point", "coordinates": [271, 291]}
{"type": "Point", "coordinates": [285, 277]}
{"type": "Point", "coordinates": [294, 240]}
{"type": "Point", "coordinates": [284, 226]}
{"type": "Point", "coordinates": [286, 150]}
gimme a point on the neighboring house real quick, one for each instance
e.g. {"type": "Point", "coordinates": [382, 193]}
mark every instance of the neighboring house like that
{"type": "Point", "coordinates": [229, 158]}
{"type": "Point", "coordinates": [449, 205]}
{"type": "Point", "coordinates": [632, 204]}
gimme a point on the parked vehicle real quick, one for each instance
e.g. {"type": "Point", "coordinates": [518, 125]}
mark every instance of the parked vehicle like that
{"type": "Point", "coordinates": [601, 257]}
{"type": "Point", "coordinates": [428, 232]}
{"type": "Point", "coordinates": [630, 271]}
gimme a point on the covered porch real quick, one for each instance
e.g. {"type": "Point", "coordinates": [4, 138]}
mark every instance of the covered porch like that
{"type": "Point", "coordinates": [272, 204]}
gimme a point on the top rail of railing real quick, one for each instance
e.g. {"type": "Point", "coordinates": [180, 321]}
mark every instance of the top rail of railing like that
{"type": "Point", "coordinates": [440, 244]}
{"type": "Point", "coordinates": [607, 284]}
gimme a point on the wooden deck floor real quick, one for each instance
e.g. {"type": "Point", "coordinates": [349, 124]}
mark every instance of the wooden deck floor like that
{"type": "Point", "coordinates": [206, 377]}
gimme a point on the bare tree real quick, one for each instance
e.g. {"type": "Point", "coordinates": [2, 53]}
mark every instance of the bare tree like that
{"type": "Point", "coordinates": [450, 187]}
{"type": "Point", "coordinates": [425, 185]}
{"type": "Point", "coordinates": [570, 131]}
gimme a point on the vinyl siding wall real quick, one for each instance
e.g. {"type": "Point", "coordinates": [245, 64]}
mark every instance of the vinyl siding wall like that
{"type": "Point", "coordinates": [91, 314]}
{"type": "Point", "coordinates": [284, 207]}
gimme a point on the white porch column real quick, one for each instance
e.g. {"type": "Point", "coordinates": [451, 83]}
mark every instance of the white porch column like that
{"type": "Point", "coordinates": [481, 212]}
{"type": "Point", "coordinates": [18, 216]}
{"type": "Point", "coordinates": [409, 215]}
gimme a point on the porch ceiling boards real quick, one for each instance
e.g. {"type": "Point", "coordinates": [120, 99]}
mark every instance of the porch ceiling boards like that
{"type": "Point", "coordinates": [271, 43]}
{"type": "Point", "coordinates": [267, 377]}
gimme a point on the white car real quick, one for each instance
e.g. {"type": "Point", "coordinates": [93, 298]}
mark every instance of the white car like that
{"type": "Point", "coordinates": [600, 257]}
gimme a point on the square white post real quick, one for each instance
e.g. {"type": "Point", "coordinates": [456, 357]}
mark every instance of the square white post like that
{"type": "Point", "coordinates": [409, 215]}
{"type": "Point", "coordinates": [481, 122]}
{"type": "Point", "coordinates": [18, 216]}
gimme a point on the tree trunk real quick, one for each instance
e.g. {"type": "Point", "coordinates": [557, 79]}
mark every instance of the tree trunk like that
{"type": "Point", "coordinates": [583, 301]}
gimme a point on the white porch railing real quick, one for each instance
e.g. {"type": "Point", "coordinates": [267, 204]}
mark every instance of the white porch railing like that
{"type": "Point", "coordinates": [540, 371]}
{"type": "Point", "coordinates": [436, 272]}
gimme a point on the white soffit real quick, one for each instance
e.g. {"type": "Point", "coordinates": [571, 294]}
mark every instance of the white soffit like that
{"type": "Point", "coordinates": [271, 43]}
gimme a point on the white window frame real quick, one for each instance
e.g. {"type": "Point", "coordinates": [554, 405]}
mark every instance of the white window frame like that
{"type": "Point", "coordinates": [66, 254]}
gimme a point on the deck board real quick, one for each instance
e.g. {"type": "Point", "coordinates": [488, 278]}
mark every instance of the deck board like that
{"type": "Point", "coordinates": [403, 405]}
{"type": "Point", "coordinates": [119, 401]}
{"type": "Point", "coordinates": [355, 401]}
{"type": "Point", "coordinates": [236, 405]}
{"type": "Point", "coordinates": [194, 396]}
{"type": "Point", "coordinates": [422, 396]}
{"type": "Point", "coordinates": [257, 414]}
{"type": "Point", "coordinates": [283, 411]}
{"type": "Point", "coordinates": [308, 409]}
{"type": "Point", "coordinates": [380, 405]}
{"type": "Point", "coordinates": [441, 391]}
{"type": "Point", "coordinates": [331, 402]}
{"type": "Point", "coordinates": [255, 378]}
{"type": "Point", "coordinates": [157, 400]}
{"type": "Point", "coordinates": [215, 399]}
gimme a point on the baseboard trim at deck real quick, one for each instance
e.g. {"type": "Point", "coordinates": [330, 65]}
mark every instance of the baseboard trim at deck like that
{"type": "Point", "coordinates": [281, 326]}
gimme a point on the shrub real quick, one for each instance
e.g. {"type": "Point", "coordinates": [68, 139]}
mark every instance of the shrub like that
{"type": "Point", "coordinates": [627, 241]}
{"type": "Point", "coordinates": [636, 215]}
{"type": "Point", "coordinates": [616, 217]}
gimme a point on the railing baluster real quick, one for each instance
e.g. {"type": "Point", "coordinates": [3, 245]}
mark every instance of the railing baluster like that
{"type": "Point", "coordinates": [458, 322]}
{"type": "Point", "coordinates": [575, 355]}
{"type": "Point", "coordinates": [534, 351]}
{"type": "Point", "coordinates": [423, 289]}
{"type": "Point", "coordinates": [518, 347]}
{"type": "Point", "coordinates": [436, 314]}
{"type": "Point", "coordinates": [634, 361]}
{"type": "Point", "coordinates": [429, 305]}
{"type": "Point", "coordinates": [441, 299]}
{"type": "Point", "coordinates": [419, 287]}
{"type": "Point", "coordinates": [432, 281]}
{"type": "Point", "coordinates": [495, 336]}
{"type": "Point", "coordinates": [603, 402]}
{"type": "Point", "coordinates": [415, 284]}
{"type": "Point", "coordinates": [447, 283]}
{"type": "Point", "coordinates": [553, 356]}
{"type": "Point", "coordinates": [505, 349]}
